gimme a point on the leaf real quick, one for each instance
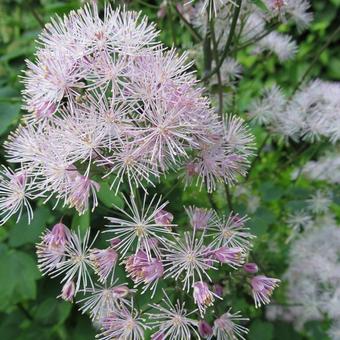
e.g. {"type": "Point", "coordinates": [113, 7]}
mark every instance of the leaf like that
{"type": "Point", "coordinates": [81, 222]}
{"type": "Point", "coordinates": [261, 221]}
{"type": "Point", "coordinates": [52, 311]}
{"type": "Point", "coordinates": [260, 4]}
{"type": "Point", "coordinates": [108, 197]}
{"type": "Point", "coordinates": [9, 114]}
{"type": "Point", "coordinates": [18, 275]}
{"type": "Point", "coordinates": [261, 330]}
{"type": "Point", "coordinates": [22, 233]}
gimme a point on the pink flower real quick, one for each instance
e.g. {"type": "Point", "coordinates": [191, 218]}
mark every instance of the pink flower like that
{"type": "Point", "coordinates": [68, 291]}
{"type": "Point", "coordinates": [200, 218]}
{"type": "Point", "coordinates": [231, 256]}
{"type": "Point", "coordinates": [163, 217]}
{"type": "Point", "coordinates": [250, 267]}
{"type": "Point", "coordinates": [262, 289]}
{"type": "Point", "coordinates": [218, 290]}
{"type": "Point", "coordinates": [203, 296]}
{"type": "Point", "coordinates": [80, 193]}
{"type": "Point", "coordinates": [57, 237]}
{"type": "Point", "coordinates": [143, 269]}
{"type": "Point", "coordinates": [204, 329]}
{"type": "Point", "coordinates": [104, 262]}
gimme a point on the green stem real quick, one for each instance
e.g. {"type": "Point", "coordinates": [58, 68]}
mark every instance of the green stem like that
{"type": "Point", "coordinates": [316, 57]}
{"type": "Point", "coordinates": [229, 40]}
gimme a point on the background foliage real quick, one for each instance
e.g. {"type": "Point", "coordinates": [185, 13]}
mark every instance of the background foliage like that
{"type": "Point", "coordinates": [28, 308]}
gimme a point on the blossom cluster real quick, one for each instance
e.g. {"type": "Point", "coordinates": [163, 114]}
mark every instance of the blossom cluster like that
{"type": "Point", "coordinates": [147, 244]}
{"type": "Point", "coordinates": [105, 98]}
{"type": "Point", "coordinates": [255, 25]}
{"type": "Point", "coordinates": [313, 277]}
{"type": "Point", "coordinates": [311, 114]}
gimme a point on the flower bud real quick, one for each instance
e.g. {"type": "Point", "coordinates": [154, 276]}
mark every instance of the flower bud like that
{"type": "Point", "coordinates": [250, 267]}
{"type": "Point", "coordinates": [68, 291]}
{"type": "Point", "coordinates": [204, 329]}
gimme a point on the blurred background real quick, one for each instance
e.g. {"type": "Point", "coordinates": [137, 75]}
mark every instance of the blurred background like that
{"type": "Point", "coordinates": [28, 308]}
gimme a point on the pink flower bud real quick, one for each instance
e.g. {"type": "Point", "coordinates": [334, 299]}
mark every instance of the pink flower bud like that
{"type": "Point", "coordinates": [232, 256]}
{"type": "Point", "coordinates": [57, 237]}
{"type": "Point", "coordinates": [202, 296]}
{"type": "Point", "coordinates": [68, 291]}
{"type": "Point", "coordinates": [250, 267]}
{"type": "Point", "coordinates": [218, 290]}
{"type": "Point", "coordinates": [120, 291]}
{"type": "Point", "coordinates": [104, 262]}
{"type": "Point", "coordinates": [204, 329]}
{"type": "Point", "coordinates": [163, 217]}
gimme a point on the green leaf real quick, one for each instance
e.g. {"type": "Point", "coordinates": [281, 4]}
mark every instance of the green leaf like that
{"type": "Point", "coordinates": [18, 275]}
{"type": "Point", "coordinates": [81, 222]}
{"type": "Point", "coordinates": [22, 233]}
{"type": "Point", "coordinates": [108, 197]}
{"type": "Point", "coordinates": [261, 330]}
{"type": "Point", "coordinates": [9, 114]}
{"type": "Point", "coordinates": [260, 4]}
{"type": "Point", "coordinates": [52, 311]}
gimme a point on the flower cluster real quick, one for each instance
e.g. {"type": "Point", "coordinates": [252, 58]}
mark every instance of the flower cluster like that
{"type": "Point", "coordinates": [311, 114]}
{"type": "Point", "coordinates": [255, 25]}
{"type": "Point", "coordinates": [147, 245]}
{"type": "Point", "coordinates": [313, 277]}
{"type": "Point", "coordinates": [106, 98]}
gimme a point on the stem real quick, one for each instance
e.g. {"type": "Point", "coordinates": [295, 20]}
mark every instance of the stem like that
{"type": "Point", "coordinates": [229, 40]}
{"type": "Point", "coordinates": [316, 58]}
{"type": "Point", "coordinates": [191, 28]}
{"type": "Point", "coordinates": [258, 156]}
{"type": "Point", "coordinates": [211, 201]}
{"type": "Point", "coordinates": [219, 78]}
{"type": "Point", "coordinates": [25, 311]}
{"type": "Point", "coordinates": [38, 18]}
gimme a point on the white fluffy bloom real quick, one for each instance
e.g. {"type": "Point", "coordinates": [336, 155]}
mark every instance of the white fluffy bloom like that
{"type": "Point", "coordinates": [313, 275]}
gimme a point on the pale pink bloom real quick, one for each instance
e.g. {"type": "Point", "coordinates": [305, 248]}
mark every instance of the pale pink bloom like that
{"type": "Point", "coordinates": [139, 226]}
{"type": "Point", "coordinates": [122, 323]}
{"type": "Point", "coordinates": [172, 320]}
{"type": "Point", "coordinates": [231, 232]}
{"type": "Point", "coordinates": [104, 262]}
{"type": "Point", "coordinates": [204, 329]}
{"type": "Point", "coordinates": [102, 301]}
{"type": "Point", "coordinates": [225, 327]}
{"type": "Point", "coordinates": [144, 270]}
{"type": "Point", "coordinates": [250, 268]}
{"type": "Point", "coordinates": [203, 297]}
{"type": "Point", "coordinates": [200, 218]}
{"type": "Point", "coordinates": [262, 289]}
{"type": "Point", "coordinates": [51, 250]}
{"type": "Point", "coordinates": [16, 189]}
{"type": "Point", "coordinates": [187, 260]}
{"type": "Point", "coordinates": [68, 291]}
{"type": "Point", "coordinates": [76, 264]}
{"type": "Point", "coordinates": [158, 336]}
{"type": "Point", "coordinates": [164, 217]}
{"type": "Point", "coordinates": [234, 257]}
{"type": "Point", "coordinates": [80, 191]}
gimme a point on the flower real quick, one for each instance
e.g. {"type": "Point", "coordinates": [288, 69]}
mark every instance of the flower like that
{"type": "Point", "coordinates": [68, 291]}
{"type": "Point", "coordinates": [75, 264]}
{"type": "Point", "coordinates": [204, 329]}
{"type": "Point", "coordinates": [52, 248]}
{"type": "Point", "coordinates": [104, 262]}
{"type": "Point", "coordinates": [262, 289]}
{"type": "Point", "coordinates": [200, 218]}
{"type": "Point", "coordinates": [232, 256]}
{"type": "Point", "coordinates": [250, 268]}
{"type": "Point", "coordinates": [143, 269]}
{"type": "Point", "coordinates": [231, 232]}
{"type": "Point", "coordinates": [203, 296]}
{"type": "Point", "coordinates": [163, 217]}
{"type": "Point", "coordinates": [226, 328]}
{"type": "Point", "coordinates": [187, 260]}
{"type": "Point", "coordinates": [16, 189]}
{"type": "Point", "coordinates": [172, 320]}
{"type": "Point", "coordinates": [139, 226]}
{"type": "Point", "coordinates": [123, 323]}
{"type": "Point", "coordinates": [103, 300]}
